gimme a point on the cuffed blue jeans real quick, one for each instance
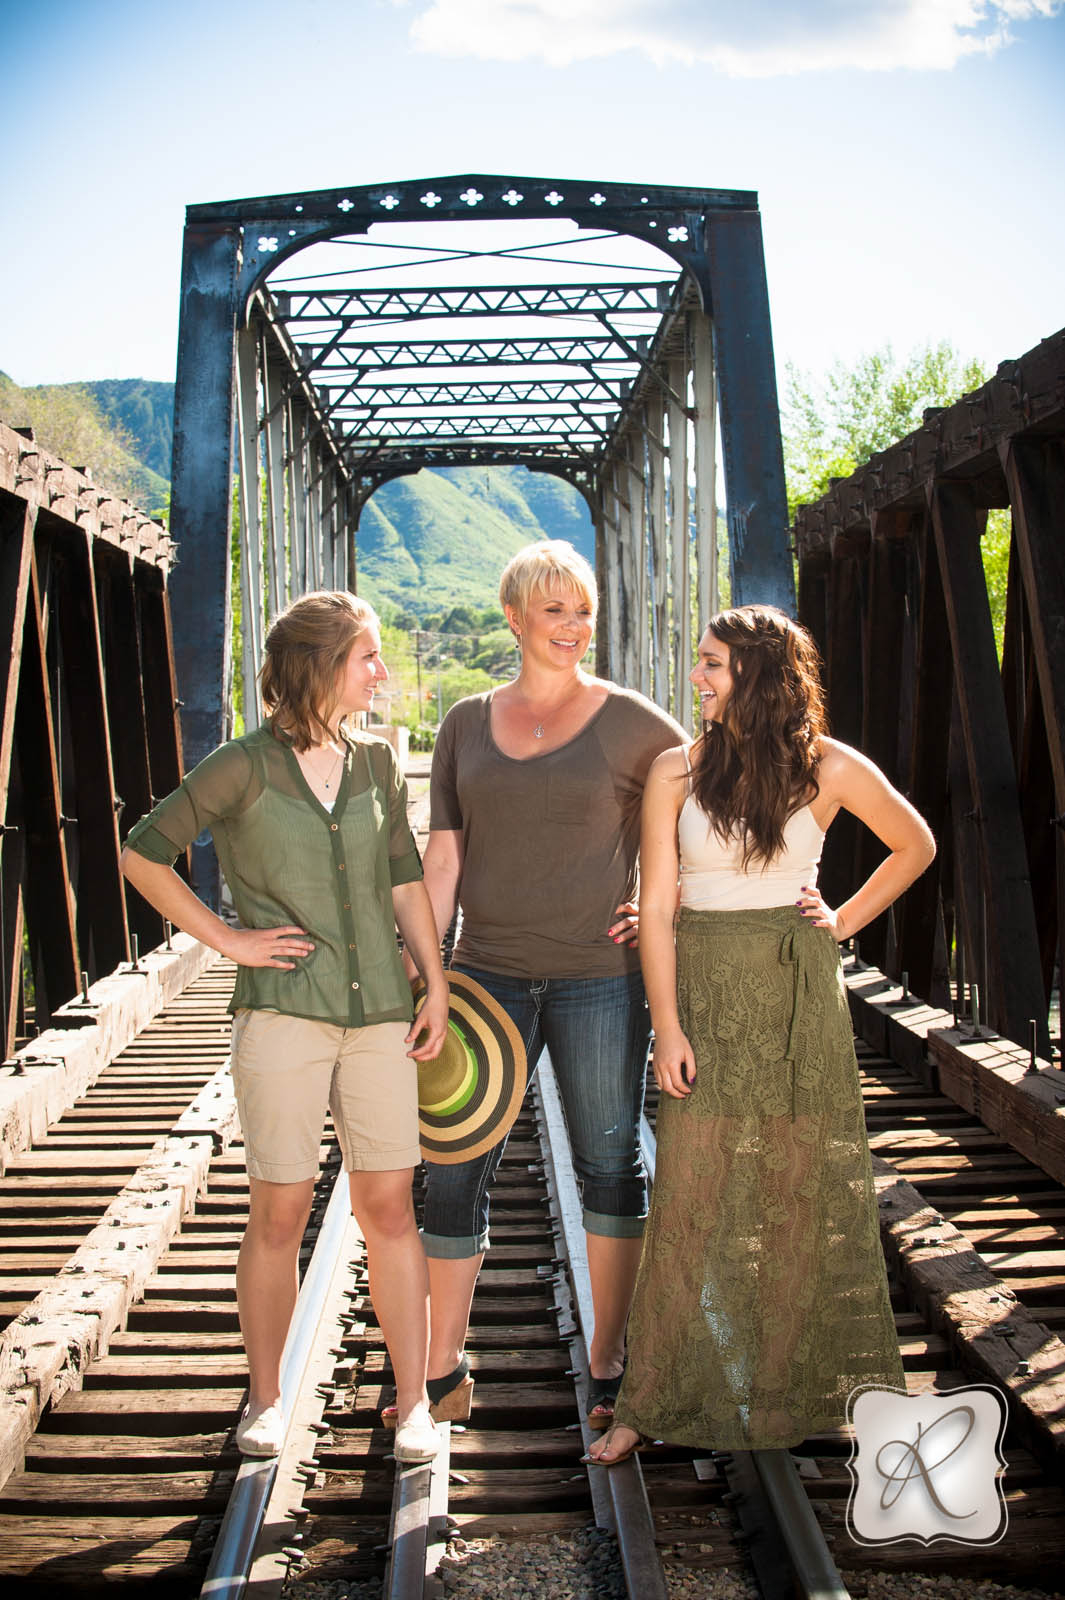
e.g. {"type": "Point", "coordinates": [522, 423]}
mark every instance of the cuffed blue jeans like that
{"type": "Point", "coordinates": [597, 1032]}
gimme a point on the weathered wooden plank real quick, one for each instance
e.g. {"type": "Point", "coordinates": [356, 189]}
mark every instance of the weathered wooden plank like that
{"type": "Point", "coordinates": [1012, 942]}
{"type": "Point", "coordinates": [1035, 472]}
{"type": "Point", "coordinates": [963, 1300]}
{"type": "Point", "coordinates": [17, 522]}
{"type": "Point", "coordinates": [101, 903]}
{"type": "Point", "coordinates": [844, 696]}
{"type": "Point", "coordinates": [124, 684]}
{"type": "Point", "coordinates": [48, 899]}
{"type": "Point", "coordinates": [160, 687]}
{"type": "Point", "coordinates": [990, 1077]}
{"type": "Point", "coordinates": [926, 781]}
{"type": "Point", "coordinates": [45, 1350]}
{"type": "Point", "coordinates": [62, 1062]}
{"type": "Point", "coordinates": [884, 637]}
{"type": "Point", "coordinates": [138, 1494]}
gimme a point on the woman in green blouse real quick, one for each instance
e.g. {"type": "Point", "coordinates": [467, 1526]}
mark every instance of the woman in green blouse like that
{"type": "Point", "coordinates": [309, 822]}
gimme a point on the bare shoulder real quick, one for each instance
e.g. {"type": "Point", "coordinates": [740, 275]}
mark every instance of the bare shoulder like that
{"type": "Point", "coordinates": [839, 762]}
{"type": "Point", "coordinates": [848, 779]}
{"type": "Point", "coordinates": [665, 778]}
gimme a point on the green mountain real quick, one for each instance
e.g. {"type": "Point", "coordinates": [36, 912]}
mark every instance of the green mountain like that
{"type": "Point", "coordinates": [68, 421]}
{"type": "Point", "coordinates": [440, 539]}
{"type": "Point", "coordinates": [145, 411]}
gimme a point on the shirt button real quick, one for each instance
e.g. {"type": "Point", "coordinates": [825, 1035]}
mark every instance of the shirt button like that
{"type": "Point", "coordinates": [332, 827]}
{"type": "Point", "coordinates": [347, 905]}
{"type": "Point", "coordinates": [354, 986]}
{"type": "Point", "coordinates": [351, 947]}
{"type": "Point", "coordinates": [340, 866]}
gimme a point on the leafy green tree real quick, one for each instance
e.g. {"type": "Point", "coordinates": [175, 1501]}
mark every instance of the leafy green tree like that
{"type": "Point", "coordinates": [495, 654]}
{"type": "Point", "coordinates": [833, 427]}
{"type": "Point", "coordinates": [68, 422]}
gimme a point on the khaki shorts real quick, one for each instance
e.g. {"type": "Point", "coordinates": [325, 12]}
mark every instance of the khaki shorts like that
{"type": "Point", "coordinates": [287, 1070]}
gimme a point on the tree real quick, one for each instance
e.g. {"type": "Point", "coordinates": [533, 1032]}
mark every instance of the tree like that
{"type": "Point", "coordinates": [832, 428]}
{"type": "Point", "coordinates": [68, 422]}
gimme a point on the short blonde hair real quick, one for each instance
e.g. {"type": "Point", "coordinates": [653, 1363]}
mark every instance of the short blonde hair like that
{"type": "Point", "coordinates": [546, 567]}
{"type": "Point", "coordinates": [305, 652]}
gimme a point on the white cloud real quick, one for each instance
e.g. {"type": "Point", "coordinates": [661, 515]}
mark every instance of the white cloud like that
{"type": "Point", "coordinates": [753, 39]}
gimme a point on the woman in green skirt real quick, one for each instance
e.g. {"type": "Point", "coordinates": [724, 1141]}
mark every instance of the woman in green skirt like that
{"type": "Point", "coordinates": [762, 1299]}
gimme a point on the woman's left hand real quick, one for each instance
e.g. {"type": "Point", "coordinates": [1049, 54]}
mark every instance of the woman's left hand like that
{"type": "Point", "coordinates": [812, 905]}
{"type": "Point", "coordinates": [627, 930]}
{"type": "Point", "coordinates": [430, 1021]}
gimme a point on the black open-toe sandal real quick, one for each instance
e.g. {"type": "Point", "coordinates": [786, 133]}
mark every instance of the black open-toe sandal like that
{"type": "Point", "coordinates": [450, 1398]}
{"type": "Point", "coordinates": [602, 1392]}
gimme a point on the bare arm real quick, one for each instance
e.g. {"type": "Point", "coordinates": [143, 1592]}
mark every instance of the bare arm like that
{"type": "Point", "coordinates": [173, 899]}
{"type": "Point", "coordinates": [442, 868]}
{"type": "Point", "coordinates": [663, 796]}
{"type": "Point", "coordinates": [851, 781]}
{"type": "Point", "coordinates": [414, 918]}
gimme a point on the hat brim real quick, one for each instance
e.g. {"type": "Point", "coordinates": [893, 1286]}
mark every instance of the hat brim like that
{"type": "Point", "coordinates": [470, 1094]}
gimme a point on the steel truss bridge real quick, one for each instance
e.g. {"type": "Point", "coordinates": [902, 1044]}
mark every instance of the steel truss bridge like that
{"type": "Point", "coordinates": [627, 353]}
{"type": "Point", "coordinates": [610, 334]}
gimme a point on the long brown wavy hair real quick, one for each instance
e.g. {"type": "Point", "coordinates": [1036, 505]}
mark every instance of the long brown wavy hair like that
{"type": "Point", "coordinates": [759, 763]}
{"type": "Point", "coordinates": [305, 651]}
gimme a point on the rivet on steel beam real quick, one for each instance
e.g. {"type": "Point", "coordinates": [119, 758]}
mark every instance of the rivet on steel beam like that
{"type": "Point", "coordinates": [1022, 1369]}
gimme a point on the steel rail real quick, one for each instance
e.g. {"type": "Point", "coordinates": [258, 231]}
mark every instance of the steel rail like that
{"type": "Point", "coordinates": [418, 1525]}
{"type": "Point", "coordinates": [227, 1575]}
{"type": "Point", "coordinates": [634, 1526]}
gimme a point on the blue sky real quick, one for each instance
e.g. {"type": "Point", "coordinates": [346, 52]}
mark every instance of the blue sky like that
{"type": "Point", "coordinates": [907, 153]}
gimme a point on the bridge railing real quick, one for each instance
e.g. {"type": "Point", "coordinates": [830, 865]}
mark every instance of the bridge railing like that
{"type": "Point", "coordinates": [891, 583]}
{"type": "Point", "coordinates": [89, 730]}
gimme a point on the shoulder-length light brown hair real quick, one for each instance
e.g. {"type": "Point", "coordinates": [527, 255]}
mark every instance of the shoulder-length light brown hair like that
{"type": "Point", "coordinates": [759, 763]}
{"type": "Point", "coordinates": [305, 652]}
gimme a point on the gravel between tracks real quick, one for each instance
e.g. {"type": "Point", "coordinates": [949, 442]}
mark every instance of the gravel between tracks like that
{"type": "Point", "coordinates": [586, 1567]}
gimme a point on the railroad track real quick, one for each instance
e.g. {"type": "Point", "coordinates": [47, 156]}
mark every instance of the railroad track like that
{"type": "Point", "coordinates": [127, 1478]}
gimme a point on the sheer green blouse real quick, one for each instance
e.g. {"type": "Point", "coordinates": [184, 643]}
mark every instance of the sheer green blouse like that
{"type": "Point", "coordinates": [289, 860]}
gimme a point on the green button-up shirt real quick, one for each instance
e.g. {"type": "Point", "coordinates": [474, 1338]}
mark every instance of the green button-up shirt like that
{"type": "Point", "coordinates": [289, 860]}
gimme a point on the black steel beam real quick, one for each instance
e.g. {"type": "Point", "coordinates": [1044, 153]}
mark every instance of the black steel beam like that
{"type": "Point", "coordinates": [202, 498]}
{"type": "Point", "coordinates": [759, 536]}
{"type": "Point", "coordinates": [296, 304]}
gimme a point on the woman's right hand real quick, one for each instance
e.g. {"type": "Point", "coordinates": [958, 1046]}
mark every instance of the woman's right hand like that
{"type": "Point", "coordinates": [673, 1062]}
{"type": "Point", "coordinates": [267, 947]}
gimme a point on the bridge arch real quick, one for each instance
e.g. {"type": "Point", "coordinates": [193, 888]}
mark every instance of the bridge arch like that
{"type": "Point", "coordinates": [616, 377]}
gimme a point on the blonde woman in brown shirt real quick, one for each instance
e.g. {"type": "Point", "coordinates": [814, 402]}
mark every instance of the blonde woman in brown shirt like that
{"type": "Point", "coordinates": [534, 831]}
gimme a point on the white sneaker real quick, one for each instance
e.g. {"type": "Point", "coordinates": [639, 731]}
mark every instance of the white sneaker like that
{"type": "Point", "coordinates": [261, 1433]}
{"type": "Point", "coordinates": [416, 1437]}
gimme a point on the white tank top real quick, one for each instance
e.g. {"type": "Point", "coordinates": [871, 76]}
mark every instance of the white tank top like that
{"type": "Point", "coordinates": [711, 871]}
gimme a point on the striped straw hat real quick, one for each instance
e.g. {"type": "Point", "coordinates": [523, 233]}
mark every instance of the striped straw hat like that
{"type": "Point", "coordinates": [470, 1094]}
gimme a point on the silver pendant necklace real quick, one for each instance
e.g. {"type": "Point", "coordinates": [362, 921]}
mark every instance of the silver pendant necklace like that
{"type": "Point", "coordinates": [327, 783]}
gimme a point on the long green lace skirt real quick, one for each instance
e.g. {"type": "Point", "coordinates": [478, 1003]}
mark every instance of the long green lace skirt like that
{"type": "Point", "coordinates": [762, 1297]}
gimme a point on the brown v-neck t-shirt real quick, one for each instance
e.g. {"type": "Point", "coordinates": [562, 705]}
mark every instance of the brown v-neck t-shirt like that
{"type": "Point", "coordinates": [550, 843]}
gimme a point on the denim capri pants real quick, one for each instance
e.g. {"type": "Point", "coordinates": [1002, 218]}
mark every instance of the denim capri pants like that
{"type": "Point", "coordinates": [596, 1031]}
